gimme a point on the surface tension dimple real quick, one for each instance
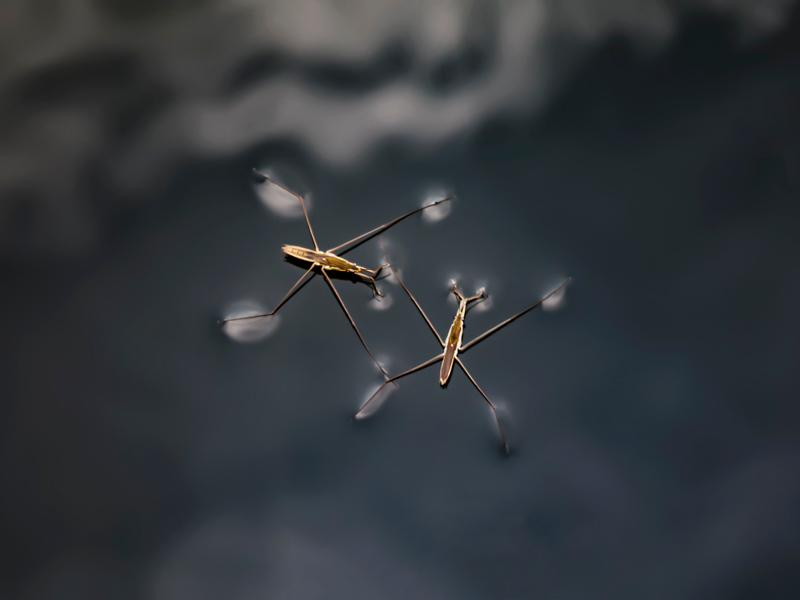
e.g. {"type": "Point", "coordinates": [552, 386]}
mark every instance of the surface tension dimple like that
{"type": "Point", "coordinates": [251, 330]}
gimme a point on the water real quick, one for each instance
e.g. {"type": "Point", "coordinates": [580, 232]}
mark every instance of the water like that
{"type": "Point", "coordinates": [651, 410]}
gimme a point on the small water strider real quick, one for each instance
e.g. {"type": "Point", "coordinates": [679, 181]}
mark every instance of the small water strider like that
{"type": "Point", "coordinates": [453, 346]}
{"type": "Point", "coordinates": [328, 260]}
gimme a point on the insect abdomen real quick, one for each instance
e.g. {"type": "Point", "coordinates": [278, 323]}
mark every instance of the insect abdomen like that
{"type": "Point", "coordinates": [303, 253]}
{"type": "Point", "coordinates": [451, 349]}
{"type": "Point", "coordinates": [340, 264]}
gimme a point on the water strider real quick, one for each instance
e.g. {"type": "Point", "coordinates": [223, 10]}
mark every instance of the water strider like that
{"type": "Point", "coordinates": [331, 260]}
{"type": "Point", "coordinates": [453, 346]}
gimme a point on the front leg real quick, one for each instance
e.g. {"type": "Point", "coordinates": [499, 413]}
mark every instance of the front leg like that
{"type": "Point", "coordinates": [375, 289]}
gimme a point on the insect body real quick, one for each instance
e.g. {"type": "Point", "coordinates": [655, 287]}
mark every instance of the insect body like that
{"type": "Point", "coordinates": [453, 346]}
{"type": "Point", "coordinates": [331, 262]}
{"type": "Point", "coordinates": [454, 336]}
{"type": "Point", "coordinates": [328, 260]}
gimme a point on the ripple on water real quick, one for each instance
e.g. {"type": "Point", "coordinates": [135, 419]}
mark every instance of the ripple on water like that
{"type": "Point", "coordinates": [438, 212]}
{"type": "Point", "coordinates": [376, 403]}
{"type": "Point", "coordinates": [487, 301]}
{"type": "Point", "coordinates": [279, 201]}
{"type": "Point", "coordinates": [555, 301]}
{"type": "Point", "coordinates": [249, 330]}
{"type": "Point", "coordinates": [483, 304]}
{"type": "Point", "coordinates": [381, 303]}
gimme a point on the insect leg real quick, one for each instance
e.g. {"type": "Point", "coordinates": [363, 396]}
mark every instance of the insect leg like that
{"type": "Point", "coordinates": [483, 336]}
{"type": "Point", "coordinates": [409, 372]}
{"type": "Point", "coordinates": [291, 293]}
{"type": "Point", "coordinates": [378, 270]}
{"type": "Point", "coordinates": [374, 285]}
{"type": "Point", "coordinates": [353, 323]}
{"type": "Point", "coordinates": [364, 237]}
{"type": "Point", "coordinates": [410, 295]}
{"type": "Point", "coordinates": [500, 427]}
{"type": "Point", "coordinates": [477, 297]}
{"type": "Point", "coordinates": [299, 197]}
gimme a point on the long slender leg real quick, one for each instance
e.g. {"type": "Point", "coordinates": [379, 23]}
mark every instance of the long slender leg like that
{"type": "Point", "coordinates": [475, 383]}
{"type": "Point", "coordinates": [364, 237]}
{"type": "Point", "coordinates": [409, 372]}
{"type": "Point", "coordinates": [410, 295]}
{"type": "Point", "coordinates": [483, 336]}
{"type": "Point", "coordinates": [298, 196]}
{"type": "Point", "coordinates": [289, 294]}
{"type": "Point", "coordinates": [353, 323]}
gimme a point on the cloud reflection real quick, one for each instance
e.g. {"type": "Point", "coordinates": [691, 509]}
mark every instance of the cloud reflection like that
{"type": "Point", "coordinates": [250, 330]}
{"type": "Point", "coordinates": [201, 105]}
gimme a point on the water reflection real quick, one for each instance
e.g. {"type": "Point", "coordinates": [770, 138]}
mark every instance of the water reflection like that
{"type": "Point", "coordinates": [376, 403]}
{"type": "Point", "coordinates": [440, 211]}
{"type": "Point", "coordinates": [249, 331]}
{"type": "Point", "coordinates": [279, 201]}
{"type": "Point", "coordinates": [503, 414]}
{"type": "Point", "coordinates": [451, 281]}
{"type": "Point", "coordinates": [555, 301]}
{"type": "Point", "coordinates": [381, 303]}
{"type": "Point", "coordinates": [483, 304]}
{"type": "Point", "coordinates": [385, 361]}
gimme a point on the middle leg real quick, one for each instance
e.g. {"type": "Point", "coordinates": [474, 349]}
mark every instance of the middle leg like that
{"type": "Point", "coordinates": [353, 323]}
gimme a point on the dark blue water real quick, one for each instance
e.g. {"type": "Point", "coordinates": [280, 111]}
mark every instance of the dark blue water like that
{"type": "Point", "coordinates": [652, 417]}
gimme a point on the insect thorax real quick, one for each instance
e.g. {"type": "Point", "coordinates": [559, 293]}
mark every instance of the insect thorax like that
{"type": "Point", "coordinates": [340, 264]}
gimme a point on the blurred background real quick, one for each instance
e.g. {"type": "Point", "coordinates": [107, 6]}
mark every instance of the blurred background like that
{"type": "Point", "coordinates": [650, 149]}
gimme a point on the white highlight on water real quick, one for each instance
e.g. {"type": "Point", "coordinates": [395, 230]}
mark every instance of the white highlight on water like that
{"type": "Point", "coordinates": [278, 200]}
{"type": "Point", "coordinates": [484, 304]}
{"type": "Point", "coordinates": [376, 403]}
{"type": "Point", "coordinates": [250, 330]}
{"type": "Point", "coordinates": [438, 212]}
{"type": "Point", "coordinates": [555, 301]}
{"type": "Point", "coordinates": [381, 303]}
{"type": "Point", "coordinates": [451, 281]}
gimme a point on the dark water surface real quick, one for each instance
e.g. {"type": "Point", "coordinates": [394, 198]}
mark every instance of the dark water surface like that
{"type": "Point", "coordinates": [653, 418]}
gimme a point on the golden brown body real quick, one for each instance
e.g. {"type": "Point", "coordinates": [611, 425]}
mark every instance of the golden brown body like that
{"type": "Point", "coordinates": [325, 260]}
{"type": "Point", "coordinates": [453, 344]}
